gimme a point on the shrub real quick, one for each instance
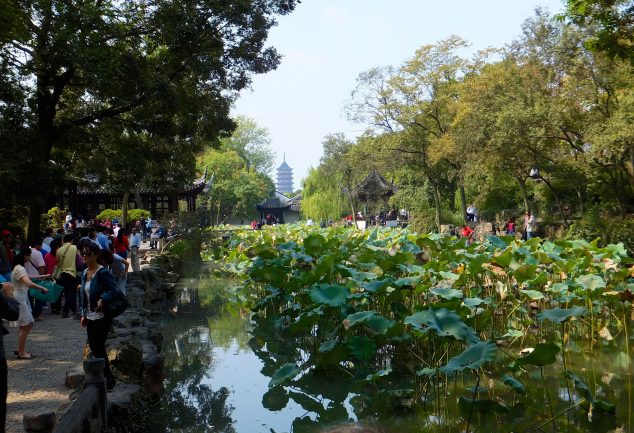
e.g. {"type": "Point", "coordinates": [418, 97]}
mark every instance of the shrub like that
{"type": "Point", "coordinates": [609, 229]}
{"type": "Point", "coordinates": [135, 214]}
{"type": "Point", "coordinates": [111, 214]}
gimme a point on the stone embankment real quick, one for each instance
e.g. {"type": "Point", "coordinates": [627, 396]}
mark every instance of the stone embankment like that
{"type": "Point", "coordinates": [42, 389]}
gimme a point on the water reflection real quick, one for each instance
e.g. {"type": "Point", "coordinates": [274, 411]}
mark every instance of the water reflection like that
{"type": "Point", "coordinates": [220, 364]}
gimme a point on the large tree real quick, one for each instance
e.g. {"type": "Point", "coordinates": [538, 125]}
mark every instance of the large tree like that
{"type": "Point", "coordinates": [74, 72]}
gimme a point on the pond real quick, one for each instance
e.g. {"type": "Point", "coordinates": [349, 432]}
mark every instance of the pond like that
{"type": "Point", "coordinates": [220, 360]}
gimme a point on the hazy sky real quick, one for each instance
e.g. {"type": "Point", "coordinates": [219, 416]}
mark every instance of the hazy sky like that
{"type": "Point", "coordinates": [327, 43]}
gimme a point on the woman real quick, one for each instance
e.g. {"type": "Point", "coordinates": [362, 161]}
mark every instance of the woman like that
{"type": "Point", "coordinates": [21, 283]}
{"type": "Point", "coordinates": [121, 244]}
{"type": "Point", "coordinates": [96, 283]}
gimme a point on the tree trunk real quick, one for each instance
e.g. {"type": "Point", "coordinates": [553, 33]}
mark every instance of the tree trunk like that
{"type": "Point", "coordinates": [522, 184]}
{"type": "Point", "coordinates": [558, 201]}
{"type": "Point", "coordinates": [124, 209]}
{"type": "Point", "coordinates": [463, 201]}
{"type": "Point", "coordinates": [33, 222]}
{"type": "Point", "coordinates": [437, 205]}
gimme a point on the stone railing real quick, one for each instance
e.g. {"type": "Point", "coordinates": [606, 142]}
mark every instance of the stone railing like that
{"type": "Point", "coordinates": [88, 412]}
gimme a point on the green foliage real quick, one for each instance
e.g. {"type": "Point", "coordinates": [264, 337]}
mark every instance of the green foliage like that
{"type": "Point", "coordinates": [136, 214]}
{"type": "Point", "coordinates": [607, 228]}
{"type": "Point", "coordinates": [115, 214]}
{"type": "Point", "coordinates": [55, 217]}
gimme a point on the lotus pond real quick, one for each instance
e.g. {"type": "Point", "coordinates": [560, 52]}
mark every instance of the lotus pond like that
{"type": "Point", "coordinates": [302, 329]}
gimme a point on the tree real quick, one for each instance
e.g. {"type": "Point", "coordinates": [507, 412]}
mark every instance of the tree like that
{"type": "Point", "coordinates": [252, 143]}
{"type": "Point", "coordinates": [235, 191]}
{"type": "Point", "coordinates": [164, 69]}
{"type": "Point", "coordinates": [612, 22]}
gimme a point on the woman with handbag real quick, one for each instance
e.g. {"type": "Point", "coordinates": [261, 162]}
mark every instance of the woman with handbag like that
{"type": "Point", "coordinates": [21, 283]}
{"type": "Point", "coordinates": [96, 284]}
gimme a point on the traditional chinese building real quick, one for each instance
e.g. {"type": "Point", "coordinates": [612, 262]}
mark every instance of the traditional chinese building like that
{"type": "Point", "coordinates": [285, 210]}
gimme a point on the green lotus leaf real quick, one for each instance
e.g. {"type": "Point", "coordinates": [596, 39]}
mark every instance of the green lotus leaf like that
{"type": "Point", "coordinates": [512, 333]}
{"type": "Point", "coordinates": [407, 282]}
{"type": "Point", "coordinates": [379, 374]}
{"type": "Point", "coordinates": [560, 315]}
{"type": "Point", "coordinates": [307, 403]}
{"type": "Point", "coordinates": [482, 406]}
{"type": "Point", "coordinates": [474, 357]}
{"type": "Point", "coordinates": [362, 347]}
{"type": "Point", "coordinates": [284, 374]}
{"type": "Point", "coordinates": [590, 282]}
{"type": "Point", "coordinates": [558, 288]}
{"type": "Point", "coordinates": [376, 285]}
{"type": "Point", "coordinates": [326, 266]}
{"type": "Point", "coordinates": [473, 302]}
{"type": "Point", "coordinates": [543, 354]}
{"type": "Point", "coordinates": [327, 346]}
{"type": "Point", "coordinates": [265, 251]}
{"type": "Point", "coordinates": [378, 324]}
{"type": "Point", "coordinates": [524, 272]}
{"type": "Point", "coordinates": [314, 243]}
{"type": "Point", "coordinates": [534, 295]}
{"type": "Point", "coordinates": [580, 386]}
{"type": "Point", "coordinates": [444, 323]}
{"type": "Point", "coordinates": [515, 384]}
{"type": "Point", "coordinates": [604, 406]}
{"type": "Point", "coordinates": [498, 242]}
{"type": "Point", "coordinates": [427, 372]}
{"type": "Point", "coordinates": [503, 259]}
{"type": "Point", "coordinates": [275, 398]}
{"type": "Point", "coordinates": [330, 294]}
{"type": "Point", "coordinates": [446, 293]}
{"type": "Point", "coordinates": [449, 275]}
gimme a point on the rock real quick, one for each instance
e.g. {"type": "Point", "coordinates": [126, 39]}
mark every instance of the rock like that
{"type": "Point", "coordinates": [39, 422]}
{"type": "Point", "coordinates": [75, 378]}
{"type": "Point", "coordinates": [127, 357]}
{"type": "Point", "coordinates": [154, 374]}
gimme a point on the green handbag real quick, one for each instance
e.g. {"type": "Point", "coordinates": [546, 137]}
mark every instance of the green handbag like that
{"type": "Point", "coordinates": [54, 291]}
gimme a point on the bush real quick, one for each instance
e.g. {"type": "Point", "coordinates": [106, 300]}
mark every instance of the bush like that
{"type": "Point", "coordinates": [111, 214]}
{"type": "Point", "coordinates": [135, 214]}
{"type": "Point", "coordinates": [609, 229]}
{"type": "Point", "coordinates": [115, 214]}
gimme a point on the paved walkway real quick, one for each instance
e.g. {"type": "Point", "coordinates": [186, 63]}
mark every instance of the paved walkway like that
{"type": "Point", "coordinates": [38, 384]}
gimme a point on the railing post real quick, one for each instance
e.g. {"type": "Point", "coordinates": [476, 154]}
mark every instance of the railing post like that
{"type": "Point", "coordinates": [93, 368]}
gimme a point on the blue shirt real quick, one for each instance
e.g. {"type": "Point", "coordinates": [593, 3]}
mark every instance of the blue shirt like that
{"type": "Point", "coordinates": [103, 242]}
{"type": "Point", "coordinates": [136, 240]}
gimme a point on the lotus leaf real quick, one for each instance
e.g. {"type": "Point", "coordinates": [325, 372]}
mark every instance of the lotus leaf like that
{"type": "Point", "coordinates": [483, 406]}
{"type": "Point", "coordinates": [446, 293]}
{"type": "Point", "coordinates": [590, 282]}
{"type": "Point", "coordinates": [559, 315]}
{"type": "Point", "coordinates": [449, 275]}
{"type": "Point", "coordinates": [512, 333]}
{"type": "Point", "coordinates": [330, 294]}
{"type": "Point", "coordinates": [379, 374]}
{"type": "Point", "coordinates": [473, 302]}
{"type": "Point", "coordinates": [515, 384]}
{"type": "Point", "coordinates": [498, 242]}
{"type": "Point", "coordinates": [284, 374]}
{"type": "Point", "coordinates": [504, 259]}
{"type": "Point", "coordinates": [543, 354]}
{"type": "Point", "coordinates": [558, 288]}
{"type": "Point", "coordinates": [362, 347]}
{"type": "Point", "coordinates": [535, 295]}
{"type": "Point", "coordinates": [474, 357]}
{"type": "Point", "coordinates": [376, 285]}
{"type": "Point", "coordinates": [524, 273]}
{"type": "Point", "coordinates": [314, 243]}
{"type": "Point", "coordinates": [326, 266]}
{"type": "Point", "coordinates": [444, 322]}
{"type": "Point", "coordinates": [407, 282]}
{"type": "Point", "coordinates": [327, 346]}
{"type": "Point", "coordinates": [378, 324]}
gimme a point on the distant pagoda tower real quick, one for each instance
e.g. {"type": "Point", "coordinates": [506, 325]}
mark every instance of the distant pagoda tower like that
{"type": "Point", "coordinates": [284, 177]}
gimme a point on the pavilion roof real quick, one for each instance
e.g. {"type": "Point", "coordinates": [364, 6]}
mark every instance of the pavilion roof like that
{"type": "Point", "coordinates": [372, 188]}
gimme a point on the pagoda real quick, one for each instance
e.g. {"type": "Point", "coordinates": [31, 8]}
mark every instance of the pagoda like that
{"type": "Point", "coordinates": [284, 177]}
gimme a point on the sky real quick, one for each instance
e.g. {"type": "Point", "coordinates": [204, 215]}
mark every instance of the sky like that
{"type": "Point", "coordinates": [326, 44]}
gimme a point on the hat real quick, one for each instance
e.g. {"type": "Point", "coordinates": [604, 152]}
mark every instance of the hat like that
{"type": "Point", "coordinates": [5, 232]}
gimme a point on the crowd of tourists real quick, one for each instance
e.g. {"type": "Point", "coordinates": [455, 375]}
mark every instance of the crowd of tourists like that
{"type": "Point", "coordinates": [89, 260]}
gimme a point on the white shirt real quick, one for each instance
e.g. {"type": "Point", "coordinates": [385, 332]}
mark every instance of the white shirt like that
{"type": "Point", "coordinates": [92, 315]}
{"type": "Point", "coordinates": [136, 240]}
{"type": "Point", "coordinates": [37, 261]}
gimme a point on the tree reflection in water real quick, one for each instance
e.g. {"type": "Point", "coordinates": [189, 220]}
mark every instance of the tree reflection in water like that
{"type": "Point", "coordinates": [189, 405]}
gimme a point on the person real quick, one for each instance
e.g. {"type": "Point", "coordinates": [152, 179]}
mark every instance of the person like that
{"type": "Point", "coordinates": [67, 258]}
{"type": "Point", "coordinates": [467, 232]}
{"type": "Point", "coordinates": [9, 310]}
{"type": "Point", "coordinates": [310, 222]}
{"type": "Point", "coordinates": [102, 238]}
{"type": "Point", "coordinates": [471, 211]}
{"type": "Point", "coordinates": [155, 238]}
{"type": "Point", "coordinates": [80, 223]}
{"type": "Point", "coordinates": [529, 225]}
{"type": "Point", "coordinates": [21, 284]}
{"type": "Point", "coordinates": [510, 227]}
{"type": "Point", "coordinates": [6, 255]}
{"type": "Point", "coordinates": [135, 245]}
{"type": "Point", "coordinates": [96, 283]}
{"type": "Point", "coordinates": [35, 267]}
{"type": "Point", "coordinates": [121, 243]}
{"type": "Point", "coordinates": [119, 268]}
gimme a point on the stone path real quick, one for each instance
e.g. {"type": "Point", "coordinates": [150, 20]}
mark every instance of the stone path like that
{"type": "Point", "coordinates": [38, 384]}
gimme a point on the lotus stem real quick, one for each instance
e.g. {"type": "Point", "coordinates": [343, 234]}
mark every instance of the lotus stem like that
{"type": "Point", "coordinates": [550, 403]}
{"type": "Point", "coordinates": [475, 393]}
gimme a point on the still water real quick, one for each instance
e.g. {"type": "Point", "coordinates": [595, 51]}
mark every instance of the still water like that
{"type": "Point", "coordinates": [217, 378]}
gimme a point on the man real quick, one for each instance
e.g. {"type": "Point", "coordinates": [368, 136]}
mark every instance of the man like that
{"type": "Point", "coordinates": [67, 261]}
{"type": "Point", "coordinates": [467, 232]}
{"type": "Point", "coordinates": [9, 310]}
{"type": "Point", "coordinates": [102, 238]}
{"type": "Point", "coordinates": [135, 244]}
{"type": "Point", "coordinates": [471, 211]}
